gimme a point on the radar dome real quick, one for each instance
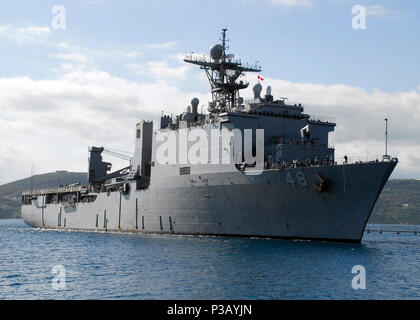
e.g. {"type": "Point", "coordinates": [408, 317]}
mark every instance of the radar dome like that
{"type": "Point", "coordinates": [216, 52]}
{"type": "Point", "coordinates": [257, 90]}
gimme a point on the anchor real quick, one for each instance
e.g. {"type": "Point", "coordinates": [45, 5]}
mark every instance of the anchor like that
{"type": "Point", "coordinates": [322, 186]}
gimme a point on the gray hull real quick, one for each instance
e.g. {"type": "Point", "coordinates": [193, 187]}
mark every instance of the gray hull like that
{"type": "Point", "coordinates": [276, 203]}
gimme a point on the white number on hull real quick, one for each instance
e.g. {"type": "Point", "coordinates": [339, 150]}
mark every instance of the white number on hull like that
{"type": "Point", "coordinates": [289, 179]}
{"type": "Point", "coordinates": [300, 177]}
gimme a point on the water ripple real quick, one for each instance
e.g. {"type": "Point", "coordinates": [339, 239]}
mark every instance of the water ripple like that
{"type": "Point", "coordinates": [154, 266]}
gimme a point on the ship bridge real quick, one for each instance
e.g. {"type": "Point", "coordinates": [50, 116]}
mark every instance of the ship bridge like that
{"type": "Point", "coordinates": [289, 133]}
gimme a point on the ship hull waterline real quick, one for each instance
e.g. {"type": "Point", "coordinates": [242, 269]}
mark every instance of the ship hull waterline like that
{"type": "Point", "coordinates": [273, 204]}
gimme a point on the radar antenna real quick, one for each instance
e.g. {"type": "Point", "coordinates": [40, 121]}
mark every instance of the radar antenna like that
{"type": "Point", "coordinates": [224, 40]}
{"type": "Point", "coordinates": [386, 155]}
{"type": "Point", "coordinates": [223, 71]}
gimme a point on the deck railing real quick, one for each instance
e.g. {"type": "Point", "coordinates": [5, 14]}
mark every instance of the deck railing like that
{"type": "Point", "coordinates": [43, 191]}
{"type": "Point", "coordinates": [321, 119]}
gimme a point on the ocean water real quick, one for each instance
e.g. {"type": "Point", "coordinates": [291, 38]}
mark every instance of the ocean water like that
{"type": "Point", "coordinates": [129, 266]}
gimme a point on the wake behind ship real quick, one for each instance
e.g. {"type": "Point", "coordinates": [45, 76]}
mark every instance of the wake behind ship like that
{"type": "Point", "coordinates": [257, 167]}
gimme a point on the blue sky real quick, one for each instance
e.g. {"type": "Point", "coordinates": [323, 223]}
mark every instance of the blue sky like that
{"type": "Point", "coordinates": [312, 43]}
{"type": "Point", "coordinates": [120, 61]}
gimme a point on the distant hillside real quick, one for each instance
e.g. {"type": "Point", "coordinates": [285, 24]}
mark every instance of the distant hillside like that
{"type": "Point", "coordinates": [399, 202]}
{"type": "Point", "coordinates": [10, 193]}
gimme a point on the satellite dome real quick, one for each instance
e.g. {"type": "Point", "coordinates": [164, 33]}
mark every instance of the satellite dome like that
{"type": "Point", "coordinates": [257, 90]}
{"type": "Point", "coordinates": [194, 104]}
{"type": "Point", "coordinates": [216, 52]}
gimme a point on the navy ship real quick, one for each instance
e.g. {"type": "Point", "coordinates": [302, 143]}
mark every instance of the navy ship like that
{"type": "Point", "coordinates": [258, 167]}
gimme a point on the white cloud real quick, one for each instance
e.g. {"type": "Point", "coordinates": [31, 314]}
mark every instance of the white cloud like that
{"type": "Point", "coordinates": [74, 50]}
{"type": "Point", "coordinates": [70, 57]}
{"type": "Point", "coordinates": [164, 45]}
{"type": "Point", "coordinates": [42, 35]}
{"type": "Point", "coordinates": [360, 119]}
{"type": "Point", "coordinates": [52, 122]}
{"type": "Point", "coordinates": [23, 35]}
{"type": "Point", "coordinates": [160, 70]}
{"type": "Point", "coordinates": [379, 11]}
{"type": "Point", "coordinates": [137, 68]}
{"type": "Point", "coordinates": [95, 2]}
{"type": "Point", "coordinates": [292, 3]}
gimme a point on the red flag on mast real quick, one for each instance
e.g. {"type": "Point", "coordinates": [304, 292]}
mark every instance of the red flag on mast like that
{"type": "Point", "coordinates": [260, 78]}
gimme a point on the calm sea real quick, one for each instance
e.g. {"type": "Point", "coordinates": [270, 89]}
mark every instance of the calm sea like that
{"type": "Point", "coordinates": [128, 266]}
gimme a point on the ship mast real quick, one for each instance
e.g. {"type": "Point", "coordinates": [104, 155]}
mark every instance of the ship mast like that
{"type": "Point", "coordinates": [386, 136]}
{"type": "Point", "coordinates": [223, 72]}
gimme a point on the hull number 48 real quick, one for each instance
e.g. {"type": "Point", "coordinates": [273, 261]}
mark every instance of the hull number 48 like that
{"type": "Point", "coordinates": [298, 178]}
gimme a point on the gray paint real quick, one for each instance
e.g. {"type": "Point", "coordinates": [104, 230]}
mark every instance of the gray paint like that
{"type": "Point", "coordinates": [224, 199]}
{"type": "Point", "coordinates": [237, 204]}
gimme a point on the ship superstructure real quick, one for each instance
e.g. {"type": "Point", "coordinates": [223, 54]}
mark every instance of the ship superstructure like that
{"type": "Point", "coordinates": [285, 183]}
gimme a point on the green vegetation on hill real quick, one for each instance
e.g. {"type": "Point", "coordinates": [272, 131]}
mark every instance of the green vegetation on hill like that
{"type": "Point", "coordinates": [10, 193]}
{"type": "Point", "coordinates": [399, 202]}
